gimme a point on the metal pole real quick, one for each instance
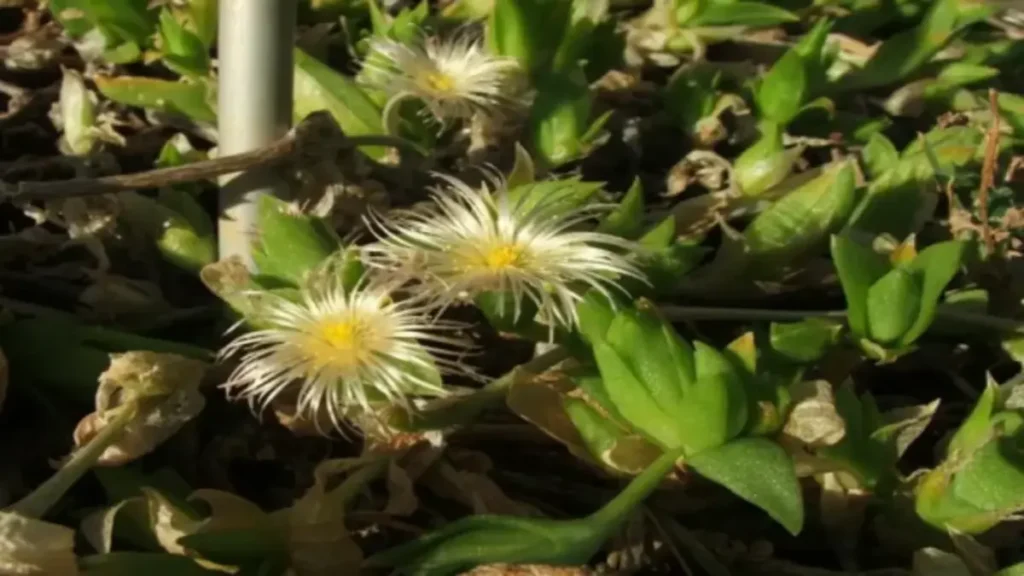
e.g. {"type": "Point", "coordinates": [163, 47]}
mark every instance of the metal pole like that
{"type": "Point", "coordinates": [256, 39]}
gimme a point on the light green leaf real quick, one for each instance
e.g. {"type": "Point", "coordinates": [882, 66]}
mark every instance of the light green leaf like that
{"type": "Point", "coordinates": [805, 341]}
{"type": "Point", "coordinates": [523, 171]}
{"type": "Point", "coordinates": [291, 244]}
{"type": "Point", "coordinates": [318, 87]}
{"type": "Point", "coordinates": [760, 472]}
{"type": "Point", "coordinates": [799, 223]}
{"type": "Point", "coordinates": [764, 164]}
{"type": "Point", "coordinates": [784, 88]}
{"type": "Point", "coordinates": [894, 304]}
{"type": "Point", "coordinates": [906, 52]}
{"type": "Point", "coordinates": [937, 264]}
{"type": "Point", "coordinates": [189, 99]}
{"type": "Point", "coordinates": [661, 361]}
{"type": "Point", "coordinates": [858, 267]}
{"type": "Point", "coordinates": [595, 314]}
{"type": "Point", "coordinates": [628, 217]}
{"type": "Point", "coordinates": [975, 430]}
{"type": "Point", "coordinates": [183, 51]}
{"type": "Point", "coordinates": [633, 401]}
{"type": "Point", "coordinates": [880, 155]}
{"type": "Point", "coordinates": [741, 14]}
{"type": "Point", "coordinates": [558, 118]}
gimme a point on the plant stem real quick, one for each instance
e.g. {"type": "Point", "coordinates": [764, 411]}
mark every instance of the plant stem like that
{"type": "Point", "coordinates": [463, 410]}
{"type": "Point", "coordinates": [614, 513]}
{"type": "Point", "coordinates": [766, 315]}
{"type": "Point", "coordinates": [46, 495]}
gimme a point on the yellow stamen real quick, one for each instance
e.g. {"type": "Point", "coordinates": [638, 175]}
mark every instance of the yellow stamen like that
{"type": "Point", "coordinates": [501, 257]}
{"type": "Point", "coordinates": [337, 342]}
{"type": "Point", "coordinates": [903, 253]}
{"type": "Point", "coordinates": [438, 82]}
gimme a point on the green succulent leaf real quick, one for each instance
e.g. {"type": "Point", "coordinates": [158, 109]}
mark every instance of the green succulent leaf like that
{"type": "Point", "coordinates": [741, 14]}
{"type": "Point", "coordinates": [661, 361]}
{"type": "Point", "coordinates": [880, 155]}
{"type": "Point", "coordinates": [800, 222]}
{"type": "Point", "coordinates": [773, 488]}
{"type": "Point", "coordinates": [627, 219]}
{"type": "Point", "coordinates": [716, 407]}
{"type": "Point", "coordinates": [937, 265]}
{"type": "Point", "coordinates": [906, 52]}
{"type": "Point", "coordinates": [318, 87]}
{"type": "Point", "coordinates": [189, 99]}
{"type": "Point", "coordinates": [764, 164]}
{"type": "Point", "coordinates": [859, 267]}
{"type": "Point", "coordinates": [184, 51]}
{"type": "Point", "coordinates": [632, 399]}
{"type": "Point", "coordinates": [783, 90]}
{"type": "Point", "coordinates": [806, 341]}
{"type": "Point", "coordinates": [893, 306]}
{"type": "Point", "coordinates": [290, 244]}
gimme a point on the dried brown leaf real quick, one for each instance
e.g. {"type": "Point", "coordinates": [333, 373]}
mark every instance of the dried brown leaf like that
{"type": "Point", "coordinates": [30, 546]}
{"type": "Point", "coordinates": [164, 387]}
{"type": "Point", "coordinates": [813, 419]}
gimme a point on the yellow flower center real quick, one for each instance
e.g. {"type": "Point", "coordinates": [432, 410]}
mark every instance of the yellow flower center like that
{"type": "Point", "coordinates": [903, 253]}
{"type": "Point", "coordinates": [503, 256]}
{"type": "Point", "coordinates": [438, 83]}
{"type": "Point", "coordinates": [337, 342]}
{"type": "Point", "coordinates": [338, 334]}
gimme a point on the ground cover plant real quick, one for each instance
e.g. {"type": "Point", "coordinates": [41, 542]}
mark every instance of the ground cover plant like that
{"type": "Point", "coordinates": [702, 287]}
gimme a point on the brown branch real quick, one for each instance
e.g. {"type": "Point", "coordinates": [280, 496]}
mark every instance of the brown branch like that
{"type": "Point", "coordinates": [315, 138]}
{"type": "Point", "coordinates": [988, 172]}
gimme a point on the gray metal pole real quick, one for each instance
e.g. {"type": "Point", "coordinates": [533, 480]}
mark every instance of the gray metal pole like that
{"type": "Point", "coordinates": [256, 39]}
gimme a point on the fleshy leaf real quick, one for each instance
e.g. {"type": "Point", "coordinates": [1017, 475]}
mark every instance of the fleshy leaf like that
{"type": "Point", "coordinates": [859, 267]}
{"type": "Point", "coordinates": [773, 488]}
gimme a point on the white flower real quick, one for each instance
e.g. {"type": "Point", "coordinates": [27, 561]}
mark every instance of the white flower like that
{"type": "Point", "coordinates": [453, 78]}
{"type": "Point", "coordinates": [470, 241]}
{"type": "Point", "coordinates": [344, 350]}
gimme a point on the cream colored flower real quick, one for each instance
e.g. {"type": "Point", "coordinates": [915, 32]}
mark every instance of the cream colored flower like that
{"type": "Point", "coordinates": [471, 241]}
{"type": "Point", "coordinates": [454, 78]}
{"type": "Point", "coordinates": [343, 350]}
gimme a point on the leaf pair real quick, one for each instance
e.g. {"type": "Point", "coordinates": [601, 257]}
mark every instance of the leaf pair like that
{"type": "Point", "coordinates": [677, 395]}
{"type": "Point", "coordinates": [892, 301]}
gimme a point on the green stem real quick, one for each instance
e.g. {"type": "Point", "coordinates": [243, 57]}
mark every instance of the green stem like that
{"type": "Point", "coordinates": [760, 314]}
{"type": "Point", "coordinates": [39, 501]}
{"type": "Point", "coordinates": [613, 514]}
{"type": "Point", "coordinates": [463, 410]}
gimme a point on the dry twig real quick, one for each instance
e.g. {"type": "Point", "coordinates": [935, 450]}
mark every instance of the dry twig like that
{"type": "Point", "coordinates": [316, 138]}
